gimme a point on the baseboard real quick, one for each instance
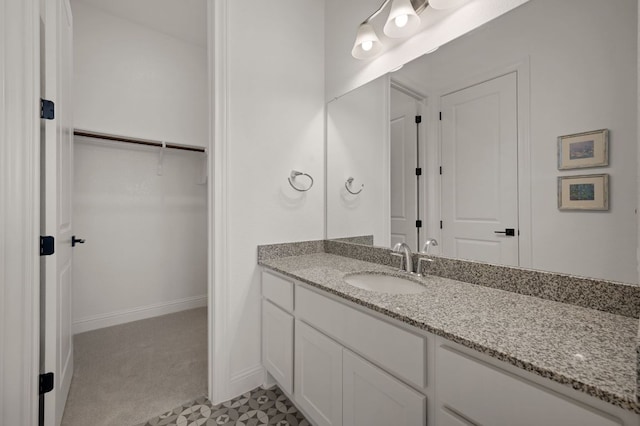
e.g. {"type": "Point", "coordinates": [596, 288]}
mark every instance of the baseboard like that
{"type": "Point", "coordinates": [246, 380]}
{"type": "Point", "coordinates": [121, 317]}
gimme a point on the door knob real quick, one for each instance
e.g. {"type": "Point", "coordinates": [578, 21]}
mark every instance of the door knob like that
{"type": "Point", "coordinates": [509, 232]}
{"type": "Point", "coordinates": [75, 241]}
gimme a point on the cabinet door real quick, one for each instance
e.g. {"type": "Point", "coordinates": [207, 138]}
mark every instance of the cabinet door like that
{"type": "Point", "coordinates": [447, 418]}
{"type": "Point", "coordinates": [277, 344]}
{"type": "Point", "coordinates": [318, 376]}
{"type": "Point", "coordinates": [374, 398]}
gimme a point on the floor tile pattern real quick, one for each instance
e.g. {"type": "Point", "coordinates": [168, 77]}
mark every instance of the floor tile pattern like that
{"type": "Point", "coordinates": [255, 408]}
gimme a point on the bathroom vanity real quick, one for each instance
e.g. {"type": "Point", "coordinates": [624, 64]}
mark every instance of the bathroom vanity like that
{"type": "Point", "coordinates": [455, 353]}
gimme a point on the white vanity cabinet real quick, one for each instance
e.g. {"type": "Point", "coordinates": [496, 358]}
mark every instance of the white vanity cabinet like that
{"type": "Point", "coordinates": [471, 392]}
{"type": "Point", "coordinates": [334, 386]}
{"type": "Point", "coordinates": [277, 329]}
{"type": "Point", "coordinates": [343, 364]}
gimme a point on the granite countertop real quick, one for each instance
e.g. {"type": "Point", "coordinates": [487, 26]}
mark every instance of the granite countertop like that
{"type": "Point", "coordinates": [587, 349]}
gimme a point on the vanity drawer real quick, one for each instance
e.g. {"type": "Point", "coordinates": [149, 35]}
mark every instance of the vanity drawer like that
{"type": "Point", "coordinates": [278, 290]}
{"type": "Point", "coordinates": [394, 349]}
{"type": "Point", "coordinates": [485, 395]}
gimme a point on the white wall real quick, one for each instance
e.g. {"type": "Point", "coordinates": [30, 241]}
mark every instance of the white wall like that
{"type": "Point", "coordinates": [358, 147]}
{"type": "Point", "coordinates": [274, 123]}
{"type": "Point", "coordinates": [134, 81]}
{"type": "Point", "coordinates": [583, 74]}
{"type": "Point", "coordinates": [145, 252]}
{"type": "Point", "coordinates": [438, 27]}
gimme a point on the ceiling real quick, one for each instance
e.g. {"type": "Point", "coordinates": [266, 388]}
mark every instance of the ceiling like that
{"type": "Point", "coordinates": [182, 19]}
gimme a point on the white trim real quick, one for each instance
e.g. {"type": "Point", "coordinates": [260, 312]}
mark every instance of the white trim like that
{"type": "Point", "coordinates": [638, 153]}
{"type": "Point", "coordinates": [109, 319]}
{"type": "Point", "coordinates": [19, 211]}
{"type": "Point", "coordinates": [219, 340]}
{"type": "Point", "coordinates": [246, 380]}
{"type": "Point", "coordinates": [385, 169]}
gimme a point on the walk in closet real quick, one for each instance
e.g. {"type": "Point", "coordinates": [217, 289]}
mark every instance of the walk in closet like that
{"type": "Point", "coordinates": [139, 278]}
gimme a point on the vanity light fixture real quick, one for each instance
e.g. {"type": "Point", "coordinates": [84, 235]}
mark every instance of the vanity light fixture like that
{"type": "Point", "coordinates": [403, 21]}
{"type": "Point", "coordinates": [445, 4]}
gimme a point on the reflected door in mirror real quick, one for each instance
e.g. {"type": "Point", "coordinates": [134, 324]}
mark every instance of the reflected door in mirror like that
{"type": "Point", "coordinates": [404, 161]}
{"type": "Point", "coordinates": [480, 172]}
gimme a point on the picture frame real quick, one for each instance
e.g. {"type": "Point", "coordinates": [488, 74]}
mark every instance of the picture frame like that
{"type": "Point", "coordinates": [581, 150]}
{"type": "Point", "coordinates": [584, 192]}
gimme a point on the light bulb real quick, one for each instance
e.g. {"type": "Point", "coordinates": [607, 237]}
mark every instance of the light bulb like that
{"type": "Point", "coordinates": [401, 20]}
{"type": "Point", "coordinates": [367, 45]}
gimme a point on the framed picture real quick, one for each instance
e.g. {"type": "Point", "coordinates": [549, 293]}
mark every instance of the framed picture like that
{"type": "Point", "coordinates": [590, 149]}
{"type": "Point", "coordinates": [586, 192]}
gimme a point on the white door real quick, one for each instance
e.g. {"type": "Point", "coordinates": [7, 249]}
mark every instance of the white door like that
{"type": "Point", "coordinates": [480, 172]}
{"type": "Point", "coordinates": [318, 376]}
{"type": "Point", "coordinates": [56, 190]}
{"type": "Point", "coordinates": [403, 180]}
{"type": "Point", "coordinates": [374, 398]}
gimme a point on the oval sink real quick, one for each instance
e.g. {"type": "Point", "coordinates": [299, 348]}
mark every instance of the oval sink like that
{"type": "Point", "coordinates": [384, 283]}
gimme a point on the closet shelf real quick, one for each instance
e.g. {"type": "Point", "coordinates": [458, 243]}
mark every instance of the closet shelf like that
{"type": "Point", "coordinates": [126, 139]}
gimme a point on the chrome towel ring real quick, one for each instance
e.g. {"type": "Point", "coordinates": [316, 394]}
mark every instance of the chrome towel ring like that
{"type": "Point", "coordinates": [349, 183]}
{"type": "Point", "coordinates": [292, 178]}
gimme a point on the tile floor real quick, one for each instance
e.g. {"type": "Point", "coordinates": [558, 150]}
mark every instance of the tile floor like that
{"type": "Point", "coordinates": [258, 407]}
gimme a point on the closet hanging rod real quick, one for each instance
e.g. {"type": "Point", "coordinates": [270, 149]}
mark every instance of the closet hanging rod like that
{"type": "Point", "coordinates": [116, 138]}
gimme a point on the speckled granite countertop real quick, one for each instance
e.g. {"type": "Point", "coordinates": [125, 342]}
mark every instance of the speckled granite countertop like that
{"type": "Point", "coordinates": [589, 350]}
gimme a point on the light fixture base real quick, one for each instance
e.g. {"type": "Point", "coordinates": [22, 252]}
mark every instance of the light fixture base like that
{"type": "Point", "coordinates": [419, 5]}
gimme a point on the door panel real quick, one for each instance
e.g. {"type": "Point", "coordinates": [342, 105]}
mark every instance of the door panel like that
{"type": "Point", "coordinates": [57, 164]}
{"type": "Point", "coordinates": [480, 171]}
{"type": "Point", "coordinates": [404, 203]}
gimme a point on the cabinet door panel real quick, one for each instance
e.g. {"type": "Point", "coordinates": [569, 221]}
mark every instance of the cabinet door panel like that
{"type": "Point", "coordinates": [396, 350]}
{"type": "Point", "coordinates": [491, 397]}
{"type": "Point", "coordinates": [447, 418]}
{"type": "Point", "coordinates": [374, 398]}
{"type": "Point", "coordinates": [277, 344]}
{"type": "Point", "coordinates": [318, 376]}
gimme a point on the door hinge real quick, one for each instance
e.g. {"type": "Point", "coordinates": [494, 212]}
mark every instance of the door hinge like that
{"type": "Point", "coordinates": [46, 383]}
{"type": "Point", "coordinates": [47, 245]}
{"type": "Point", "coordinates": [47, 109]}
{"type": "Point", "coordinates": [418, 224]}
{"type": "Point", "coordinates": [440, 224]}
{"type": "Point", "coordinates": [440, 115]}
{"type": "Point", "coordinates": [440, 169]}
{"type": "Point", "coordinates": [418, 171]}
{"type": "Point", "coordinates": [418, 119]}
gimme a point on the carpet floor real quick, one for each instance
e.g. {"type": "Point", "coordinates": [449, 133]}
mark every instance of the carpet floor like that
{"type": "Point", "coordinates": [258, 407]}
{"type": "Point", "coordinates": [124, 375]}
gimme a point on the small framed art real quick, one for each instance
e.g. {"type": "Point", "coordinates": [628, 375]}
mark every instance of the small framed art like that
{"type": "Point", "coordinates": [589, 149]}
{"type": "Point", "coordinates": [586, 192]}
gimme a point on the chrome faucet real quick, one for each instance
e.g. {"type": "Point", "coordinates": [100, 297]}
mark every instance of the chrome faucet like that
{"type": "Point", "coordinates": [404, 251]}
{"type": "Point", "coordinates": [428, 244]}
{"type": "Point", "coordinates": [432, 242]}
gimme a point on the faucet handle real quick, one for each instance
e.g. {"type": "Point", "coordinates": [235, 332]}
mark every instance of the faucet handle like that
{"type": "Point", "coordinates": [420, 260]}
{"type": "Point", "coordinates": [401, 258]}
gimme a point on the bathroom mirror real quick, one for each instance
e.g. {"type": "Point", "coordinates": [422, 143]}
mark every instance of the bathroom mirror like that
{"type": "Point", "coordinates": [491, 106]}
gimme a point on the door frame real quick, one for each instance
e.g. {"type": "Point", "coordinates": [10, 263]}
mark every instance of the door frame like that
{"type": "Point", "coordinates": [523, 93]}
{"type": "Point", "coordinates": [19, 211]}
